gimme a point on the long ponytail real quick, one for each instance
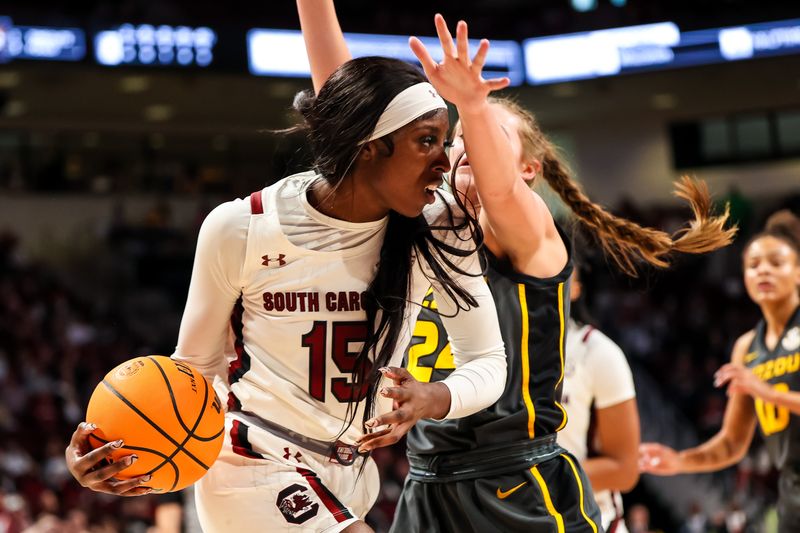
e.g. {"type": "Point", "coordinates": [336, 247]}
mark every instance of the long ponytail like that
{"type": "Point", "coordinates": [625, 241]}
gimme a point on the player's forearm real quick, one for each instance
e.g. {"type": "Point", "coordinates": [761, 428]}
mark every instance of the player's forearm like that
{"type": "Point", "coordinates": [609, 473]}
{"type": "Point", "coordinates": [717, 453]}
{"type": "Point", "coordinates": [325, 44]}
{"type": "Point", "coordinates": [787, 399]}
{"type": "Point", "coordinates": [490, 154]}
{"type": "Point", "coordinates": [477, 346]}
{"type": "Point", "coordinates": [476, 384]}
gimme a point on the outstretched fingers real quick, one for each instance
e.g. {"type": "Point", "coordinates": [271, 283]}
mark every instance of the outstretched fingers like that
{"type": "Point", "coordinates": [462, 42]}
{"type": "Point", "coordinates": [445, 37]}
{"type": "Point", "coordinates": [496, 84]}
{"type": "Point", "coordinates": [424, 57]}
{"type": "Point", "coordinates": [480, 56]}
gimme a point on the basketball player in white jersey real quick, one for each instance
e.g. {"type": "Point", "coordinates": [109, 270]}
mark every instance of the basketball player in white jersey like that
{"type": "Point", "coordinates": [600, 400]}
{"type": "Point", "coordinates": [298, 305]}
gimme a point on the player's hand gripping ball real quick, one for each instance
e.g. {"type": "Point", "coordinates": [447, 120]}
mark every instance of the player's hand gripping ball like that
{"type": "Point", "coordinates": [166, 413]}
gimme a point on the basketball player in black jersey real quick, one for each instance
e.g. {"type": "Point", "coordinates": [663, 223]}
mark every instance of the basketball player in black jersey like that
{"type": "Point", "coordinates": [763, 377]}
{"type": "Point", "coordinates": [500, 470]}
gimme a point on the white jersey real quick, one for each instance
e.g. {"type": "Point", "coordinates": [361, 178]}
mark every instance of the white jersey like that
{"type": "Point", "coordinates": [596, 376]}
{"type": "Point", "coordinates": [288, 349]}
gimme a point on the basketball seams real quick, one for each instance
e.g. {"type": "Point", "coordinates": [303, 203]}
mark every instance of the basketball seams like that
{"type": "Point", "coordinates": [172, 397]}
{"type": "Point", "coordinates": [200, 417]}
{"type": "Point", "coordinates": [153, 424]}
{"type": "Point", "coordinates": [189, 433]}
{"type": "Point", "coordinates": [158, 424]}
{"type": "Point", "coordinates": [177, 411]}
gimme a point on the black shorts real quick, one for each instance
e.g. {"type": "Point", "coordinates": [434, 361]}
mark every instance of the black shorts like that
{"type": "Point", "coordinates": [553, 496]}
{"type": "Point", "coordinates": [789, 501]}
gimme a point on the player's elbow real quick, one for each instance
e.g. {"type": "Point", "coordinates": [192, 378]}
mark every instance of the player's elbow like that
{"type": "Point", "coordinates": [628, 476]}
{"type": "Point", "coordinates": [738, 453]}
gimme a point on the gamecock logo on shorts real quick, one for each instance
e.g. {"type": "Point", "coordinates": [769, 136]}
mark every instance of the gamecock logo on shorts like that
{"type": "Point", "coordinates": [296, 506]}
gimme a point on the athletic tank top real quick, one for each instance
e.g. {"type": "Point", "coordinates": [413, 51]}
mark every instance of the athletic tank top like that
{"type": "Point", "coordinates": [780, 367]}
{"type": "Point", "coordinates": [533, 315]}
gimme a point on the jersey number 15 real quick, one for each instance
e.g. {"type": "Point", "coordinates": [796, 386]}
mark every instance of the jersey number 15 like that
{"type": "Point", "coordinates": [346, 341]}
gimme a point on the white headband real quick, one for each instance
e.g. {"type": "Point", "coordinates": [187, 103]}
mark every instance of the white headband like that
{"type": "Point", "coordinates": [411, 103]}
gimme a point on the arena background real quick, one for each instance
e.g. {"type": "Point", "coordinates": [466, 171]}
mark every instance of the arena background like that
{"type": "Point", "coordinates": [106, 172]}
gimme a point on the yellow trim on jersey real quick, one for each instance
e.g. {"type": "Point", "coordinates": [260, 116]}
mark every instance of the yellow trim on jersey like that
{"type": "Point", "coordinates": [548, 502]}
{"type": "Point", "coordinates": [561, 351]}
{"type": "Point", "coordinates": [580, 492]}
{"type": "Point", "coordinates": [561, 330]}
{"type": "Point", "coordinates": [526, 366]}
{"type": "Point", "coordinates": [563, 417]}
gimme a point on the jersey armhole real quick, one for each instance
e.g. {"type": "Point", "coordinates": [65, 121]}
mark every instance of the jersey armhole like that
{"type": "Point", "coordinates": [257, 203]}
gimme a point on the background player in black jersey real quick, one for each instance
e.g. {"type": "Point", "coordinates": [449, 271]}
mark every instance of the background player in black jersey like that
{"type": "Point", "coordinates": [500, 470]}
{"type": "Point", "coordinates": [763, 377]}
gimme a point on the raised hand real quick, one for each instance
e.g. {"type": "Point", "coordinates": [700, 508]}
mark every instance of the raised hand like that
{"type": "Point", "coordinates": [457, 77]}
{"type": "Point", "coordinates": [412, 400]}
{"type": "Point", "coordinates": [91, 467]}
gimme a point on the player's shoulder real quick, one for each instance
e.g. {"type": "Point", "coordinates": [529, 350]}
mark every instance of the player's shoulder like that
{"type": "Point", "coordinates": [228, 219]}
{"type": "Point", "coordinates": [600, 349]}
{"type": "Point", "coordinates": [228, 212]}
{"type": "Point", "coordinates": [595, 339]}
{"type": "Point", "coordinates": [240, 209]}
{"type": "Point", "coordinates": [742, 345]}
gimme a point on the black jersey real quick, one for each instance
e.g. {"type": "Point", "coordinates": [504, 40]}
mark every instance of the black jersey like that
{"type": "Point", "coordinates": [533, 314]}
{"type": "Point", "coordinates": [780, 367]}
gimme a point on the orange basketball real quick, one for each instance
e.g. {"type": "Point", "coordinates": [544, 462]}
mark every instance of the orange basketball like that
{"type": "Point", "coordinates": [166, 413]}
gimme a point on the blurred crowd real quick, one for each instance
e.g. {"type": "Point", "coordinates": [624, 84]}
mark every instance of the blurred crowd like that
{"type": "Point", "coordinates": [521, 18]}
{"type": "Point", "coordinates": [60, 333]}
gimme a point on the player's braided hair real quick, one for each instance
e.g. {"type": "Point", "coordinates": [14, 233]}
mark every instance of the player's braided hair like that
{"type": "Point", "coordinates": [625, 241]}
{"type": "Point", "coordinates": [337, 120]}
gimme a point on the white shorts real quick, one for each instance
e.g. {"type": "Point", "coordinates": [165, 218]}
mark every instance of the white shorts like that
{"type": "Point", "coordinates": [261, 482]}
{"type": "Point", "coordinates": [610, 504]}
{"type": "Point", "coordinates": [617, 525]}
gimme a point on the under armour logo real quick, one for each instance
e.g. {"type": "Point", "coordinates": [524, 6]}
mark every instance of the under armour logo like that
{"type": "Point", "coordinates": [279, 259]}
{"type": "Point", "coordinates": [288, 454]}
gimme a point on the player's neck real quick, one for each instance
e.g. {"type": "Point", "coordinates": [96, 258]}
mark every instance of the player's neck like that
{"type": "Point", "coordinates": [777, 316]}
{"type": "Point", "coordinates": [343, 202]}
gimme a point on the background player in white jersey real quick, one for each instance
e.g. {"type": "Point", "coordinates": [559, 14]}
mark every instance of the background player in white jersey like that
{"type": "Point", "coordinates": [299, 298]}
{"type": "Point", "coordinates": [600, 400]}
